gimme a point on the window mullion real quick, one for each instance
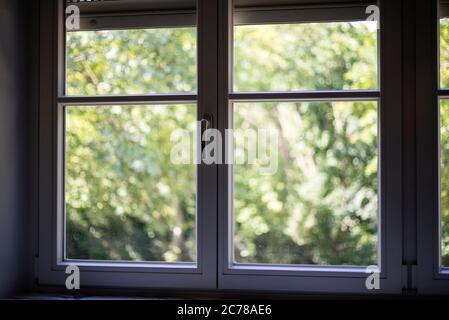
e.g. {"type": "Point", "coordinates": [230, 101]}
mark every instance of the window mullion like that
{"type": "Point", "coordinates": [342, 95]}
{"type": "Point", "coordinates": [129, 99]}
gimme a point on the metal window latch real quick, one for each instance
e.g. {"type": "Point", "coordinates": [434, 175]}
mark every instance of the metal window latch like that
{"type": "Point", "coordinates": [206, 123]}
{"type": "Point", "coordinates": [207, 120]}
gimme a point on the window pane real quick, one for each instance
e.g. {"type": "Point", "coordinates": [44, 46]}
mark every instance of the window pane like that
{"type": "Point", "coordinates": [444, 181]}
{"type": "Point", "coordinates": [444, 53]}
{"type": "Point", "coordinates": [140, 61]}
{"type": "Point", "coordinates": [308, 56]}
{"type": "Point", "coordinates": [125, 198]}
{"type": "Point", "coordinates": [312, 196]}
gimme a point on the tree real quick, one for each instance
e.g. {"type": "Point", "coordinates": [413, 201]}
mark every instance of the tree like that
{"type": "Point", "coordinates": [127, 201]}
{"type": "Point", "coordinates": [444, 142]}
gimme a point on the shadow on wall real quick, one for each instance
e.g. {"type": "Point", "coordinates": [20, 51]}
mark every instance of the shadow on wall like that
{"type": "Point", "coordinates": [14, 124]}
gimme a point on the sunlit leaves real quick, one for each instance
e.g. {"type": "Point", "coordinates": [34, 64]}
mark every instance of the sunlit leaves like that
{"type": "Point", "coordinates": [444, 141]}
{"type": "Point", "coordinates": [131, 61]}
{"type": "Point", "coordinates": [125, 200]}
{"type": "Point", "coordinates": [321, 205]}
{"type": "Point", "coordinates": [444, 196]}
{"type": "Point", "coordinates": [329, 56]}
{"type": "Point", "coordinates": [444, 53]}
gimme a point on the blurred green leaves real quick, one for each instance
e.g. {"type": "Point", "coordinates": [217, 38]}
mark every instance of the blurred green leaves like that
{"type": "Point", "coordinates": [444, 53]}
{"type": "Point", "coordinates": [309, 56]}
{"type": "Point", "coordinates": [444, 142]}
{"type": "Point", "coordinates": [444, 180]}
{"type": "Point", "coordinates": [131, 61]}
{"type": "Point", "coordinates": [321, 205]}
{"type": "Point", "coordinates": [126, 201]}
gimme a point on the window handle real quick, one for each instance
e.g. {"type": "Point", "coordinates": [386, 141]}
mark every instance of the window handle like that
{"type": "Point", "coordinates": [206, 123]}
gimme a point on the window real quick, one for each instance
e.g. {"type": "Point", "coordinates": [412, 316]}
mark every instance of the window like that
{"type": "Point", "coordinates": [432, 138]}
{"type": "Point", "coordinates": [126, 85]}
{"type": "Point", "coordinates": [444, 122]}
{"type": "Point", "coordinates": [330, 106]}
{"type": "Point", "coordinates": [132, 61]}
{"type": "Point", "coordinates": [299, 56]}
{"type": "Point", "coordinates": [319, 205]}
{"type": "Point", "coordinates": [306, 193]}
{"type": "Point", "coordinates": [444, 262]}
{"type": "Point", "coordinates": [125, 200]}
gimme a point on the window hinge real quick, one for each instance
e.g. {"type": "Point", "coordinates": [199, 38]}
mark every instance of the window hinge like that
{"type": "Point", "coordinates": [409, 277]}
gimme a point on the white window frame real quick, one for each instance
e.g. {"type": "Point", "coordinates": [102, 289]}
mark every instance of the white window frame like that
{"type": "Point", "coordinates": [325, 279]}
{"type": "Point", "coordinates": [51, 261]}
{"type": "Point", "coordinates": [431, 278]}
{"type": "Point", "coordinates": [214, 98]}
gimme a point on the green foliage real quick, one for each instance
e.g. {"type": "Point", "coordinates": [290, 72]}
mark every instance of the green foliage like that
{"type": "Point", "coordinates": [444, 197]}
{"type": "Point", "coordinates": [444, 141]}
{"type": "Point", "coordinates": [127, 201]}
{"type": "Point", "coordinates": [331, 56]}
{"type": "Point", "coordinates": [321, 205]}
{"type": "Point", "coordinates": [131, 61]}
{"type": "Point", "coordinates": [444, 53]}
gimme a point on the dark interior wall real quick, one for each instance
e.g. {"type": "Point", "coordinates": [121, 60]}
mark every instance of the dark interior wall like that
{"type": "Point", "coordinates": [14, 137]}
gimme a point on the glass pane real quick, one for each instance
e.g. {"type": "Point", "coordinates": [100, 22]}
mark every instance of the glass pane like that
{"type": "Point", "coordinates": [311, 195]}
{"type": "Point", "coordinates": [444, 181]}
{"type": "Point", "coordinates": [125, 197]}
{"type": "Point", "coordinates": [308, 56]}
{"type": "Point", "coordinates": [444, 53]}
{"type": "Point", "coordinates": [142, 61]}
